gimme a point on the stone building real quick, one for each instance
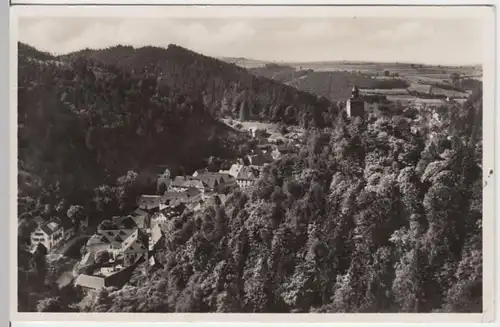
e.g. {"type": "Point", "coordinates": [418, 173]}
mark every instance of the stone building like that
{"type": "Point", "coordinates": [355, 105]}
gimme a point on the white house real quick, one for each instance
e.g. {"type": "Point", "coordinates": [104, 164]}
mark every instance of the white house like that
{"type": "Point", "coordinates": [247, 175]}
{"type": "Point", "coordinates": [49, 234]}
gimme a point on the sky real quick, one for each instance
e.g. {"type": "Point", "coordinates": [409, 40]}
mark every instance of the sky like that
{"type": "Point", "coordinates": [443, 41]}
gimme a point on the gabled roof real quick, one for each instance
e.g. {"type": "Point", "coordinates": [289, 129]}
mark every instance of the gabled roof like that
{"type": "Point", "coordinates": [225, 177]}
{"type": "Point", "coordinates": [208, 179]}
{"type": "Point", "coordinates": [187, 182]}
{"type": "Point", "coordinates": [140, 221]}
{"type": "Point", "coordinates": [136, 242]}
{"type": "Point", "coordinates": [195, 183]}
{"type": "Point", "coordinates": [110, 237]}
{"type": "Point", "coordinates": [235, 169]}
{"type": "Point", "coordinates": [248, 173]}
{"type": "Point", "coordinates": [140, 217]}
{"type": "Point", "coordinates": [172, 196]}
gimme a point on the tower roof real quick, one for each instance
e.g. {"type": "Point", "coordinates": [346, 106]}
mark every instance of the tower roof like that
{"type": "Point", "coordinates": [354, 92]}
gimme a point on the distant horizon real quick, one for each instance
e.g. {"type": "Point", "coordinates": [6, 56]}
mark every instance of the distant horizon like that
{"type": "Point", "coordinates": [431, 41]}
{"type": "Point", "coordinates": [224, 58]}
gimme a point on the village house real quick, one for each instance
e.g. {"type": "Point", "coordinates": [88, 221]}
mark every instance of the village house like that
{"type": "Point", "coordinates": [205, 182]}
{"type": "Point", "coordinates": [134, 247]}
{"type": "Point", "coordinates": [260, 159]}
{"type": "Point", "coordinates": [108, 240]}
{"type": "Point", "coordinates": [161, 217]}
{"type": "Point", "coordinates": [138, 218]}
{"type": "Point", "coordinates": [233, 171]}
{"type": "Point", "coordinates": [50, 233]}
{"type": "Point", "coordinates": [123, 244]}
{"type": "Point", "coordinates": [247, 175]}
{"type": "Point", "coordinates": [182, 183]}
{"type": "Point", "coordinates": [151, 202]}
{"type": "Point", "coordinates": [174, 198]}
{"type": "Point", "coordinates": [217, 182]}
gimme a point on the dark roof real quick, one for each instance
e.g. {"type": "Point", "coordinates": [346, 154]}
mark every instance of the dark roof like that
{"type": "Point", "coordinates": [136, 242]}
{"type": "Point", "coordinates": [149, 201]}
{"type": "Point", "coordinates": [192, 191]}
{"type": "Point", "coordinates": [208, 180]}
{"type": "Point", "coordinates": [248, 173]}
{"type": "Point", "coordinates": [260, 159]}
{"type": "Point", "coordinates": [170, 196]}
{"type": "Point", "coordinates": [39, 220]}
{"type": "Point", "coordinates": [109, 237]}
{"type": "Point", "coordinates": [284, 148]}
{"type": "Point", "coordinates": [50, 227]}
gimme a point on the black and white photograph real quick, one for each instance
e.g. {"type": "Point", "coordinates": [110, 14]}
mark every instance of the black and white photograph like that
{"type": "Point", "coordinates": [252, 164]}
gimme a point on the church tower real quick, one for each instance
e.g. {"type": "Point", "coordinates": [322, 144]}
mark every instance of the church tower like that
{"type": "Point", "coordinates": [355, 105]}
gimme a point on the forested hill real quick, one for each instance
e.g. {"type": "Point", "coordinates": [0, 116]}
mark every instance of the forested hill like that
{"type": "Point", "coordinates": [225, 88]}
{"type": "Point", "coordinates": [380, 216]}
{"type": "Point", "coordinates": [83, 123]}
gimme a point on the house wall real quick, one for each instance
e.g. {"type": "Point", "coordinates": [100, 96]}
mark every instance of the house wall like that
{"type": "Point", "coordinates": [119, 278]}
{"type": "Point", "coordinates": [244, 183]}
{"type": "Point", "coordinates": [38, 236]}
{"type": "Point", "coordinates": [355, 108]}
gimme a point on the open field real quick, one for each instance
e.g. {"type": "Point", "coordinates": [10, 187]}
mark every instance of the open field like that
{"type": "Point", "coordinates": [385, 91]}
{"type": "Point", "coordinates": [407, 69]}
{"type": "Point", "coordinates": [397, 81]}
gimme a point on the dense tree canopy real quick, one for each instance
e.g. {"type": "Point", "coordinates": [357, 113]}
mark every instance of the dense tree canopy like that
{"type": "Point", "coordinates": [360, 221]}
